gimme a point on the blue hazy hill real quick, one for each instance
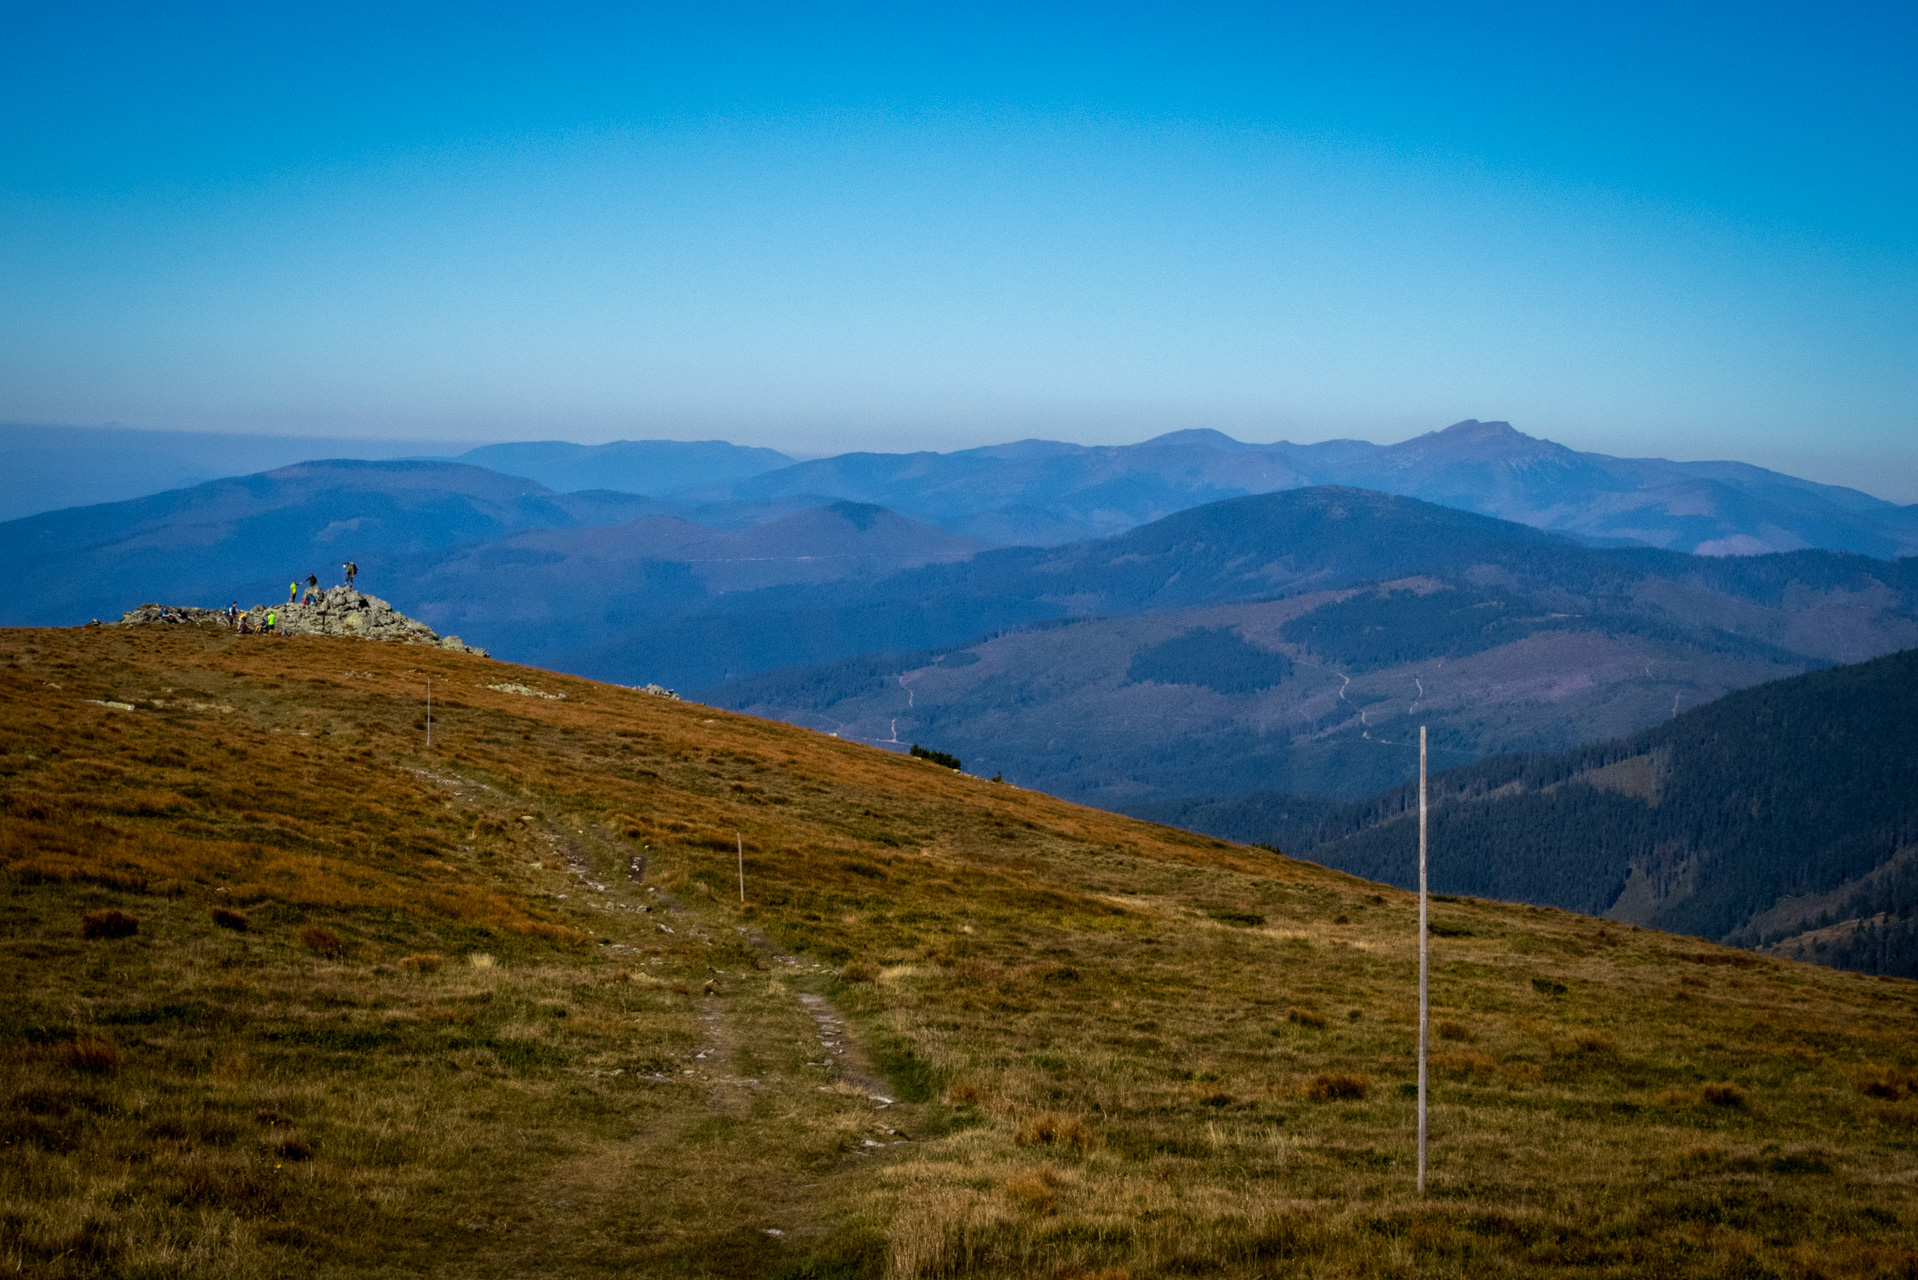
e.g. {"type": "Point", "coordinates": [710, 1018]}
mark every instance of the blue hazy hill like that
{"type": "Point", "coordinates": [656, 468]}
{"type": "Point", "coordinates": [247, 537]}
{"type": "Point", "coordinates": [45, 468]}
{"type": "Point", "coordinates": [1047, 492]}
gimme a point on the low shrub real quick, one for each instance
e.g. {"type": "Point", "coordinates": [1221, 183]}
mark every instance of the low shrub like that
{"type": "Point", "coordinates": [1462, 1064]}
{"type": "Point", "coordinates": [1700, 1155]}
{"type": "Point", "coordinates": [937, 757]}
{"type": "Point", "coordinates": [425, 962]}
{"type": "Point", "coordinates": [1724, 1094]}
{"type": "Point", "coordinates": [91, 1057]}
{"type": "Point", "coordinates": [1239, 919]}
{"type": "Point", "coordinates": [860, 971]}
{"type": "Point", "coordinates": [1335, 1086]}
{"type": "Point", "coordinates": [108, 924]}
{"type": "Point", "coordinates": [292, 1147]}
{"type": "Point", "coordinates": [1305, 1018]}
{"type": "Point", "coordinates": [323, 941]}
{"type": "Point", "coordinates": [1885, 1084]}
{"type": "Point", "coordinates": [1033, 1191]}
{"type": "Point", "coordinates": [1050, 1129]}
{"type": "Point", "coordinates": [1453, 1031]}
{"type": "Point", "coordinates": [1594, 1042]}
{"type": "Point", "coordinates": [227, 918]}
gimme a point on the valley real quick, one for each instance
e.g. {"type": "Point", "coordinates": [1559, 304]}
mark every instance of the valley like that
{"type": "Point", "coordinates": [1502, 638]}
{"type": "Point", "coordinates": [1779, 817]}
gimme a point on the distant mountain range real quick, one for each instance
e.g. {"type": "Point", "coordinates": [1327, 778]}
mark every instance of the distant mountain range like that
{"type": "Point", "coordinates": [1783, 817]}
{"type": "Point", "coordinates": [246, 538]}
{"type": "Point", "coordinates": [1276, 641]}
{"type": "Point", "coordinates": [1290, 641]}
{"type": "Point", "coordinates": [1045, 493]}
{"type": "Point", "coordinates": [52, 468]}
{"type": "Point", "coordinates": [540, 572]}
{"type": "Point", "coordinates": [1273, 641]}
{"type": "Point", "coordinates": [655, 468]}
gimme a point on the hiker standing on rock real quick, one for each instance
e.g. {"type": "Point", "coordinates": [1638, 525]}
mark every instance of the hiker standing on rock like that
{"type": "Point", "coordinates": [312, 586]}
{"type": "Point", "coordinates": [272, 619]}
{"type": "Point", "coordinates": [292, 590]}
{"type": "Point", "coordinates": [352, 572]}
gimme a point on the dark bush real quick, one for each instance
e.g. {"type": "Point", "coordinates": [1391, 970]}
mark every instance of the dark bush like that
{"type": "Point", "coordinates": [227, 918]}
{"type": "Point", "coordinates": [1335, 1086]}
{"type": "Point", "coordinates": [91, 1057]}
{"type": "Point", "coordinates": [1724, 1095]}
{"type": "Point", "coordinates": [324, 941]}
{"type": "Point", "coordinates": [108, 924]}
{"type": "Point", "coordinates": [937, 757]}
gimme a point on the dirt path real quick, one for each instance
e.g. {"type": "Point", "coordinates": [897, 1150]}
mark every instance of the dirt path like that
{"type": "Point", "coordinates": [765, 1116]}
{"type": "Point", "coordinates": [848, 1062]}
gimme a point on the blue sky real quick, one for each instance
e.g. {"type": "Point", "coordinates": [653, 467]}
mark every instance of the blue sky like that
{"type": "Point", "coordinates": [1683, 231]}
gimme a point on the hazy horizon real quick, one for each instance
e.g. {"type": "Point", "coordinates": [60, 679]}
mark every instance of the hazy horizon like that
{"type": "Point", "coordinates": [1899, 486]}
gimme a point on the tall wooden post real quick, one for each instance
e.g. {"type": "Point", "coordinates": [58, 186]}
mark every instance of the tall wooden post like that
{"type": "Point", "coordinates": [1424, 936]}
{"type": "Point", "coordinates": [429, 711]}
{"type": "Point", "coordinates": [742, 866]}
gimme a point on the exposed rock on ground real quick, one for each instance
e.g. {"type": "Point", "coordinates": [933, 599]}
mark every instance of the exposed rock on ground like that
{"type": "Point", "coordinates": [338, 611]}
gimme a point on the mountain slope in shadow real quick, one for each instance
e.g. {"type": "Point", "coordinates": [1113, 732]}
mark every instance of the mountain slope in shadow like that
{"type": "Point", "coordinates": [1783, 816]}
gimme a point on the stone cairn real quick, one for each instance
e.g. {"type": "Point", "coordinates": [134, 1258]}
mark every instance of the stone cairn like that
{"type": "Point", "coordinates": [338, 611]}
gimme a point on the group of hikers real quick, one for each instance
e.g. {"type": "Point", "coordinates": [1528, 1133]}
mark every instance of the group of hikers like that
{"type": "Point", "coordinates": [241, 621]}
{"type": "Point", "coordinates": [350, 569]}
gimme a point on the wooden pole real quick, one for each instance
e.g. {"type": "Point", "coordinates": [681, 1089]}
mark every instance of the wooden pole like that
{"type": "Point", "coordinates": [742, 866]}
{"type": "Point", "coordinates": [429, 711]}
{"type": "Point", "coordinates": [1424, 967]}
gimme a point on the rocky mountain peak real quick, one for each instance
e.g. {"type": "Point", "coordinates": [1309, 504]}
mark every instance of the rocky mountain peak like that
{"type": "Point", "coordinates": [337, 611]}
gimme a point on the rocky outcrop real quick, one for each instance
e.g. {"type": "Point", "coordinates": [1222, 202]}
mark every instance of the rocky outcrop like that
{"type": "Point", "coordinates": [339, 611]}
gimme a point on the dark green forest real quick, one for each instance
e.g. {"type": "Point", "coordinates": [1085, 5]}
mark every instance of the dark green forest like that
{"type": "Point", "coordinates": [1387, 627]}
{"type": "Point", "coordinates": [1267, 546]}
{"type": "Point", "coordinates": [1803, 786]}
{"type": "Point", "coordinates": [1217, 657]}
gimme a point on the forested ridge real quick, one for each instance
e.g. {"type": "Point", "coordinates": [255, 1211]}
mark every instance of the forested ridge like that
{"type": "Point", "coordinates": [1794, 791]}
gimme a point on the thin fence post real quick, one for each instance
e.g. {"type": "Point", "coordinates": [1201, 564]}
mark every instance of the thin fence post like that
{"type": "Point", "coordinates": [742, 866]}
{"type": "Point", "coordinates": [1424, 936]}
{"type": "Point", "coordinates": [429, 711]}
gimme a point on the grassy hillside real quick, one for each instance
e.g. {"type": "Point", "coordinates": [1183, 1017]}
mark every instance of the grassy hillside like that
{"type": "Point", "coordinates": [386, 1009]}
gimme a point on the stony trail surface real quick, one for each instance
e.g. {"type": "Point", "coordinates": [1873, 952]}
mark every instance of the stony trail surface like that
{"type": "Point", "coordinates": [770, 1079]}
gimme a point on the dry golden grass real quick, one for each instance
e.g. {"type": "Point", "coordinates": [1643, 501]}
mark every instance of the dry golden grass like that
{"type": "Point", "coordinates": [1115, 1049]}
